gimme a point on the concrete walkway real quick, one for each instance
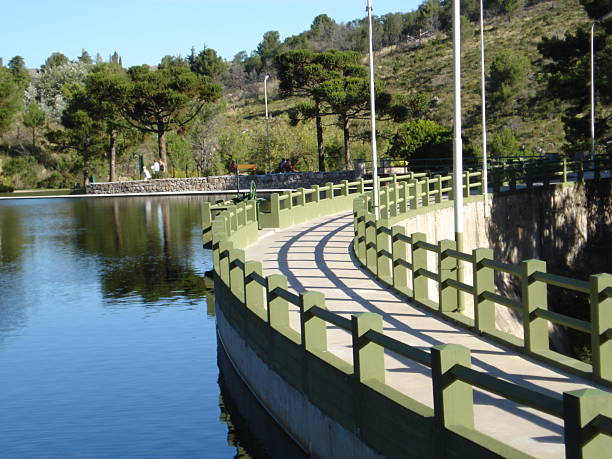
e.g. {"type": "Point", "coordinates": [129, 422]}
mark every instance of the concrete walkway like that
{"type": "Point", "coordinates": [316, 256]}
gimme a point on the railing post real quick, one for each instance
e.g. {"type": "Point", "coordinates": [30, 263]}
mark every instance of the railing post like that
{"type": "Point", "coordinates": [330, 193]}
{"type": "Point", "coordinates": [316, 194]}
{"type": "Point", "coordinates": [206, 224]}
{"type": "Point", "coordinates": [314, 330]}
{"type": "Point", "coordinates": [393, 201]}
{"type": "Point", "coordinates": [384, 202]}
{"type": "Point", "coordinates": [371, 252]}
{"type": "Point", "coordinates": [438, 188]}
{"type": "Point", "coordinates": [278, 308]}
{"type": "Point", "coordinates": [420, 283]}
{"type": "Point", "coordinates": [534, 296]}
{"type": "Point", "coordinates": [601, 325]}
{"type": "Point", "coordinates": [368, 357]}
{"type": "Point", "coordinates": [404, 196]}
{"type": "Point", "coordinates": [466, 184]}
{"type": "Point", "coordinates": [360, 236]}
{"type": "Point", "coordinates": [484, 310]}
{"type": "Point", "coordinates": [453, 399]}
{"type": "Point", "coordinates": [275, 209]}
{"type": "Point", "coordinates": [361, 186]}
{"type": "Point", "coordinates": [425, 191]}
{"type": "Point", "coordinates": [399, 252]}
{"type": "Point", "coordinates": [233, 217]}
{"type": "Point", "coordinates": [236, 274]}
{"type": "Point", "coordinates": [224, 249]}
{"type": "Point", "coordinates": [254, 292]}
{"type": "Point", "coordinates": [564, 177]}
{"type": "Point", "coordinates": [288, 200]}
{"type": "Point", "coordinates": [301, 196]}
{"type": "Point", "coordinates": [580, 408]}
{"type": "Point", "coordinates": [383, 253]}
{"type": "Point", "coordinates": [345, 187]}
{"type": "Point", "coordinates": [447, 269]}
{"type": "Point", "coordinates": [414, 198]}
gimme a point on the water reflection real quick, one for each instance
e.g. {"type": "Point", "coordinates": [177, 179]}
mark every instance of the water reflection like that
{"type": "Point", "coordinates": [142, 246]}
{"type": "Point", "coordinates": [106, 348]}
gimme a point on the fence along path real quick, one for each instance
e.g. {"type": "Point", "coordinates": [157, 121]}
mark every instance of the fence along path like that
{"type": "Point", "coordinates": [316, 256]}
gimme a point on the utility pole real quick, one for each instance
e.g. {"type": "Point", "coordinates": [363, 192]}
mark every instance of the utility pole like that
{"type": "Point", "coordinates": [375, 187]}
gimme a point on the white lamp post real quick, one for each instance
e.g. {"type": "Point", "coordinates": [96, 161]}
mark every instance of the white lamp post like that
{"type": "Point", "coordinates": [375, 188]}
{"type": "Point", "coordinates": [485, 175]}
{"type": "Point", "coordinates": [457, 143]}
{"type": "Point", "coordinates": [267, 122]}
{"type": "Point", "coordinates": [601, 19]}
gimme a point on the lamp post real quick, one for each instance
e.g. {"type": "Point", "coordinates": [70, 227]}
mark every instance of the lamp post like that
{"type": "Point", "coordinates": [457, 143]}
{"type": "Point", "coordinates": [267, 122]}
{"type": "Point", "coordinates": [375, 188]}
{"type": "Point", "coordinates": [485, 175]}
{"type": "Point", "coordinates": [601, 19]}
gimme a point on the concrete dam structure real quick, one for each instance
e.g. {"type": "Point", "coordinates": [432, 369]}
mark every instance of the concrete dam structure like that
{"type": "Point", "coordinates": [382, 338]}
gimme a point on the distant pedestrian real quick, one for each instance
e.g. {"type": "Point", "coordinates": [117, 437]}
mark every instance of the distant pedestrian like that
{"type": "Point", "coordinates": [162, 165]}
{"type": "Point", "coordinates": [232, 168]}
{"type": "Point", "coordinates": [146, 173]}
{"type": "Point", "coordinates": [156, 167]}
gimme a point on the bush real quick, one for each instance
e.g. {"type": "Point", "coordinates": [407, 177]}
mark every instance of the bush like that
{"type": "Point", "coordinates": [6, 188]}
{"type": "Point", "coordinates": [55, 180]}
{"type": "Point", "coordinates": [504, 143]}
{"type": "Point", "coordinates": [508, 75]}
{"type": "Point", "coordinates": [20, 172]}
{"type": "Point", "coordinates": [422, 140]}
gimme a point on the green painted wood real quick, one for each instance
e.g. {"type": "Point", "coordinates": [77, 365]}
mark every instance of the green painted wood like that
{"type": "Point", "coordinates": [447, 269]}
{"type": "Point", "coordinates": [314, 329]}
{"type": "Point", "coordinates": [420, 284]}
{"type": "Point", "coordinates": [236, 273]}
{"type": "Point", "coordinates": [400, 253]}
{"type": "Point", "coordinates": [534, 296]}
{"type": "Point", "coordinates": [383, 253]}
{"type": "Point", "coordinates": [453, 399]}
{"type": "Point", "coordinates": [255, 293]}
{"type": "Point", "coordinates": [581, 407]}
{"type": "Point", "coordinates": [278, 308]}
{"type": "Point", "coordinates": [601, 324]}
{"type": "Point", "coordinates": [483, 278]}
{"type": "Point", "coordinates": [368, 357]}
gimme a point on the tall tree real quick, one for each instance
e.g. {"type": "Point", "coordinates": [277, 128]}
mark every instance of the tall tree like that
{"type": "Point", "coordinates": [268, 49]}
{"type": "Point", "coordinates": [20, 72]}
{"type": "Point", "coordinates": [55, 60]}
{"type": "Point", "coordinates": [300, 73]}
{"type": "Point", "coordinates": [33, 118]}
{"type": "Point", "coordinates": [10, 99]}
{"type": "Point", "coordinates": [207, 62]}
{"type": "Point", "coordinates": [165, 100]}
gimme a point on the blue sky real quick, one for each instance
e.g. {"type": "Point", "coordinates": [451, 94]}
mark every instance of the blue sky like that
{"type": "Point", "coordinates": [145, 31]}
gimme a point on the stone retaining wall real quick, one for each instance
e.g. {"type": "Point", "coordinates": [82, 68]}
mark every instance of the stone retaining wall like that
{"type": "Point", "coordinates": [225, 182]}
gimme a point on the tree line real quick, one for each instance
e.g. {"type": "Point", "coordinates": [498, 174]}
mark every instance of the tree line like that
{"type": "Point", "coordinates": [92, 113]}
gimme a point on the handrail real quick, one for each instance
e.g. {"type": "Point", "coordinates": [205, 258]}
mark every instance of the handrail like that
{"type": "Point", "coordinates": [403, 349]}
{"type": "Point", "coordinates": [562, 281]}
{"type": "Point", "coordinates": [511, 391]}
{"type": "Point", "coordinates": [334, 319]}
{"type": "Point", "coordinates": [502, 267]}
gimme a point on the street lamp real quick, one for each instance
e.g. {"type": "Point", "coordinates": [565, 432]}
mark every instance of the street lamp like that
{"type": "Point", "coordinates": [267, 122]}
{"type": "Point", "coordinates": [375, 188]}
{"type": "Point", "coordinates": [601, 19]}
{"type": "Point", "coordinates": [485, 175]}
{"type": "Point", "coordinates": [457, 143]}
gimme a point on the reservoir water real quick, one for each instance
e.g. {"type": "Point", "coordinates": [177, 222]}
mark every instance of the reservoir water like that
{"type": "Point", "coordinates": [107, 347]}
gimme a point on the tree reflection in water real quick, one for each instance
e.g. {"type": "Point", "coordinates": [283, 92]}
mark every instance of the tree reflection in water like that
{"type": "Point", "coordinates": [143, 246]}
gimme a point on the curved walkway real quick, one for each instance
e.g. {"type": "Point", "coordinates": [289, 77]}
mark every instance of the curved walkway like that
{"type": "Point", "coordinates": [317, 256]}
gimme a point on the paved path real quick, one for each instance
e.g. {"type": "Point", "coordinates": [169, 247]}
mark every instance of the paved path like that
{"type": "Point", "coordinates": [316, 256]}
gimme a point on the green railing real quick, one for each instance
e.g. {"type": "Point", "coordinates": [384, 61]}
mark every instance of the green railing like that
{"type": "Point", "coordinates": [400, 261]}
{"type": "Point", "coordinates": [585, 413]}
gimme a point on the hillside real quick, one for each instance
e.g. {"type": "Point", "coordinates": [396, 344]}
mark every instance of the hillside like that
{"type": "Point", "coordinates": [426, 67]}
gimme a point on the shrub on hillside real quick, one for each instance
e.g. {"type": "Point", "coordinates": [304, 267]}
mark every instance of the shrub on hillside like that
{"type": "Point", "coordinates": [421, 140]}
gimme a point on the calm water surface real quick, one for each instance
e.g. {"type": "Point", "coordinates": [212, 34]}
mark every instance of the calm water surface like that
{"type": "Point", "coordinates": [106, 347]}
